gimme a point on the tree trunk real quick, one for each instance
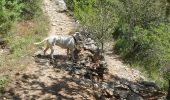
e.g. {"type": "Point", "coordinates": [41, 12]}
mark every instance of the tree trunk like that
{"type": "Point", "coordinates": [168, 95]}
{"type": "Point", "coordinates": [168, 9]}
{"type": "Point", "coordinates": [102, 46]}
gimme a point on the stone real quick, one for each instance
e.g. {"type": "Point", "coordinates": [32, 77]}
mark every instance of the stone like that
{"type": "Point", "coordinates": [42, 61]}
{"type": "Point", "coordinates": [25, 76]}
{"type": "Point", "coordinates": [62, 5]}
{"type": "Point", "coordinates": [38, 53]}
{"type": "Point", "coordinates": [108, 93]}
{"type": "Point", "coordinates": [134, 96]}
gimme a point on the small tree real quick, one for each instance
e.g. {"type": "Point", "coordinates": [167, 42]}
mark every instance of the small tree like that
{"type": "Point", "coordinates": [98, 18]}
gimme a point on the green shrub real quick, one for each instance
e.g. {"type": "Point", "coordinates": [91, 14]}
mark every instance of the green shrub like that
{"type": "Point", "coordinates": [143, 35]}
{"type": "Point", "coordinates": [13, 10]}
{"type": "Point", "coordinates": [121, 47]}
{"type": "Point", "coordinates": [31, 9]}
{"type": "Point", "coordinates": [10, 11]}
{"type": "Point", "coordinates": [149, 48]}
{"type": "Point", "coordinates": [3, 81]}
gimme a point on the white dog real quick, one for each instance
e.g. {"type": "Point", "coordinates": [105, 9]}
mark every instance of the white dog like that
{"type": "Point", "coordinates": [67, 42]}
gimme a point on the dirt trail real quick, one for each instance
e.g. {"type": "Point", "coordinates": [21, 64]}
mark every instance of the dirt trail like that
{"type": "Point", "coordinates": [60, 23]}
{"type": "Point", "coordinates": [118, 68]}
{"type": "Point", "coordinates": [41, 81]}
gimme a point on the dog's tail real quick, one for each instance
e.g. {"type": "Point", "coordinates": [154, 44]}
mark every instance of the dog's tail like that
{"type": "Point", "coordinates": [40, 42]}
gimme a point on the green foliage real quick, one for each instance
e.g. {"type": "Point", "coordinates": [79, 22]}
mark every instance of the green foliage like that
{"type": "Point", "coordinates": [97, 17]}
{"type": "Point", "coordinates": [150, 47]}
{"type": "Point", "coordinates": [3, 81]}
{"type": "Point", "coordinates": [122, 47]}
{"type": "Point", "coordinates": [10, 11]}
{"type": "Point", "coordinates": [143, 35]}
{"type": "Point", "coordinates": [143, 13]}
{"type": "Point", "coordinates": [83, 10]}
{"type": "Point", "coordinates": [31, 9]}
{"type": "Point", "coordinates": [13, 10]}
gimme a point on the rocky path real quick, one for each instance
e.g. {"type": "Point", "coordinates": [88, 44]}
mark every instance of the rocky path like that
{"type": "Point", "coordinates": [41, 81]}
{"type": "Point", "coordinates": [60, 22]}
{"type": "Point", "coordinates": [117, 68]}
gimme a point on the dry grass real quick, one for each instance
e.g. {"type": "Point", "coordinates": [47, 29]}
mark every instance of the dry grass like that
{"type": "Point", "coordinates": [20, 47]}
{"type": "Point", "coordinates": [25, 28]}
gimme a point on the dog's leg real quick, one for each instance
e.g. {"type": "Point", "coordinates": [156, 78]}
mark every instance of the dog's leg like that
{"type": "Point", "coordinates": [52, 51]}
{"type": "Point", "coordinates": [68, 54]}
{"type": "Point", "coordinates": [67, 51]}
{"type": "Point", "coordinates": [72, 55]}
{"type": "Point", "coordinates": [45, 50]}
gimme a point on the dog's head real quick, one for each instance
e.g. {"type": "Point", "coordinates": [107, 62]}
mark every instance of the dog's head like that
{"type": "Point", "coordinates": [77, 35]}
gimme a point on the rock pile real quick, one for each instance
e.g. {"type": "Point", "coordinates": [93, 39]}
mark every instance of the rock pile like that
{"type": "Point", "coordinates": [91, 60]}
{"type": "Point", "coordinates": [119, 89]}
{"type": "Point", "coordinates": [94, 67]}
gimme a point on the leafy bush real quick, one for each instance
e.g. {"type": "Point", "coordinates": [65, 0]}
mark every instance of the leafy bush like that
{"type": "Point", "coordinates": [3, 81]}
{"type": "Point", "coordinates": [121, 47]}
{"type": "Point", "coordinates": [10, 11]}
{"type": "Point", "coordinates": [144, 35]}
{"type": "Point", "coordinates": [31, 9]}
{"type": "Point", "coordinates": [13, 10]}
